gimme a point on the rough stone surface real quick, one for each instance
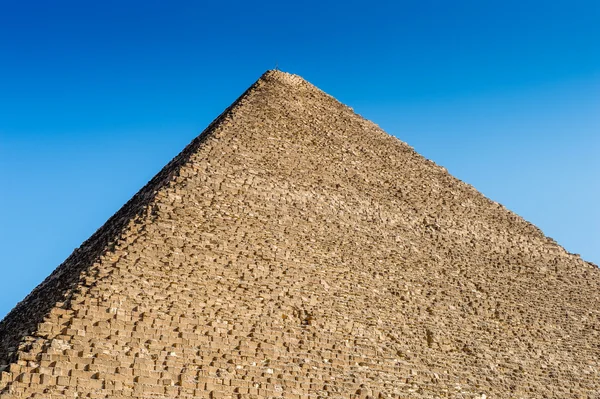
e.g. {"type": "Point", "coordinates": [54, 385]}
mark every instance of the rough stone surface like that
{"type": "Point", "coordinates": [295, 250]}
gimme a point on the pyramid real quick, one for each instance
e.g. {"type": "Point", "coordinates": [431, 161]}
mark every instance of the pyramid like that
{"type": "Point", "coordinates": [295, 250]}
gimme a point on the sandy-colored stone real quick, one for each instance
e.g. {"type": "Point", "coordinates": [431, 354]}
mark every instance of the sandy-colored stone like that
{"type": "Point", "coordinates": [295, 250]}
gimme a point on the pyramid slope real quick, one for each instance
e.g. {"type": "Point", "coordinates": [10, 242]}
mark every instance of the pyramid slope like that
{"type": "Point", "coordinates": [296, 250]}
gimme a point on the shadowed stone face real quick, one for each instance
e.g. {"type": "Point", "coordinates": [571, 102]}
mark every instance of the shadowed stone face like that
{"type": "Point", "coordinates": [295, 250]}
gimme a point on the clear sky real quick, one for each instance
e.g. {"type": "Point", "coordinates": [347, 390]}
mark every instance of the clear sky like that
{"type": "Point", "coordinates": [95, 97]}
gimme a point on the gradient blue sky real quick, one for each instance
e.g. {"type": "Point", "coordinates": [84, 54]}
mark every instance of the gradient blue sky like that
{"type": "Point", "coordinates": [95, 97]}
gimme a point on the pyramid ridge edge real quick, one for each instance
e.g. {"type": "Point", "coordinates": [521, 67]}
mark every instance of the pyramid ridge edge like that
{"type": "Point", "coordinates": [100, 243]}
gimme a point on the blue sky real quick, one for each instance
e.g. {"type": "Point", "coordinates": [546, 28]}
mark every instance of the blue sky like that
{"type": "Point", "coordinates": [95, 97]}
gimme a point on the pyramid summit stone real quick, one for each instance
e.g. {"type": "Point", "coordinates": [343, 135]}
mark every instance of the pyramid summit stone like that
{"type": "Point", "coordinates": [295, 250]}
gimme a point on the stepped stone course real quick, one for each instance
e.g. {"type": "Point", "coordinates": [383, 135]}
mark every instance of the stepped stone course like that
{"type": "Point", "coordinates": [295, 250]}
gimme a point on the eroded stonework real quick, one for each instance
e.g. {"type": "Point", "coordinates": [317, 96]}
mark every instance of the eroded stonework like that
{"type": "Point", "coordinates": [295, 250]}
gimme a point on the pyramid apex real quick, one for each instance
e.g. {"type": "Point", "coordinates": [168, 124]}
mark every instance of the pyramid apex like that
{"type": "Point", "coordinates": [283, 77]}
